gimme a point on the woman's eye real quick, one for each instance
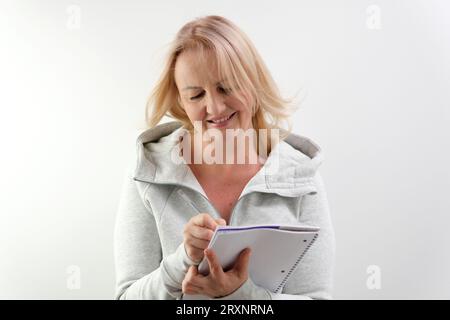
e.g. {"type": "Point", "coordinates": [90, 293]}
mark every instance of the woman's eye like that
{"type": "Point", "coordinates": [197, 96]}
{"type": "Point", "coordinates": [226, 90]}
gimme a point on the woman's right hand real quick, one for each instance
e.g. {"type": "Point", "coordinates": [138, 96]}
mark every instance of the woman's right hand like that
{"type": "Point", "coordinates": [197, 233]}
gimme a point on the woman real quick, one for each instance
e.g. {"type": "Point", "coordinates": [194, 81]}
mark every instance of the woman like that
{"type": "Point", "coordinates": [215, 82]}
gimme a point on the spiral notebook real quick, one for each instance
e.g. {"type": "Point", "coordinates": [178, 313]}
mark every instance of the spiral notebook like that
{"type": "Point", "coordinates": [276, 251]}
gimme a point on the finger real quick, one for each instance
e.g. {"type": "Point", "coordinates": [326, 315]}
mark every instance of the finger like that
{"type": "Point", "coordinates": [190, 289]}
{"type": "Point", "coordinates": [221, 222]}
{"type": "Point", "coordinates": [188, 284]}
{"type": "Point", "coordinates": [205, 220]}
{"type": "Point", "coordinates": [193, 253]}
{"type": "Point", "coordinates": [241, 265]}
{"type": "Point", "coordinates": [190, 274]}
{"type": "Point", "coordinates": [198, 243]}
{"type": "Point", "coordinates": [194, 271]}
{"type": "Point", "coordinates": [214, 265]}
{"type": "Point", "coordinates": [201, 232]}
{"type": "Point", "coordinates": [195, 278]}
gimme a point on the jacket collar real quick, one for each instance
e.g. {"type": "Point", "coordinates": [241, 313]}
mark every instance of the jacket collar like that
{"type": "Point", "coordinates": [288, 171]}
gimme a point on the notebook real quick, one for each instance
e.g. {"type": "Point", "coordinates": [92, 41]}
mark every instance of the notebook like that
{"type": "Point", "coordinates": [276, 251]}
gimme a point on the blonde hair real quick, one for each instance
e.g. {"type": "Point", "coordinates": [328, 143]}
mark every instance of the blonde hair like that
{"type": "Point", "coordinates": [237, 61]}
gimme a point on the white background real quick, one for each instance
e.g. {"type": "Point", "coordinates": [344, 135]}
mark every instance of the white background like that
{"type": "Point", "coordinates": [375, 82]}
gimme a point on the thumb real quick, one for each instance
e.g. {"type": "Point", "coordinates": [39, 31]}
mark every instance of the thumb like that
{"type": "Point", "coordinates": [242, 262]}
{"type": "Point", "coordinates": [221, 222]}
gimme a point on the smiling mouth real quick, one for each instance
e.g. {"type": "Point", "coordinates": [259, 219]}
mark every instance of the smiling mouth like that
{"type": "Point", "coordinates": [224, 120]}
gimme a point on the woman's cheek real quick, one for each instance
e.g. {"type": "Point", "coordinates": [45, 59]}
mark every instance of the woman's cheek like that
{"type": "Point", "coordinates": [194, 114]}
{"type": "Point", "coordinates": [245, 119]}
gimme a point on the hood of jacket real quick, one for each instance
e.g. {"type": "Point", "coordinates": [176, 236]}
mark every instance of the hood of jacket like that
{"type": "Point", "coordinates": [289, 169]}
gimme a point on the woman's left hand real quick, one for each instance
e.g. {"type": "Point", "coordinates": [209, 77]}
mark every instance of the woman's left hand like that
{"type": "Point", "coordinates": [217, 283]}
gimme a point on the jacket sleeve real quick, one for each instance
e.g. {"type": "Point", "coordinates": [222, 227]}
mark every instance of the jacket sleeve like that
{"type": "Point", "coordinates": [141, 273]}
{"type": "Point", "coordinates": [314, 275]}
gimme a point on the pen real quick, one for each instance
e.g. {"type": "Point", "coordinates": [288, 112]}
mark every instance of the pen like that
{"type": "Point", "coordinates": [185, 197]}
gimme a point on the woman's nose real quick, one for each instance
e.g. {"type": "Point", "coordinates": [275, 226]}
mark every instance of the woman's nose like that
{"type": "Point", "coordinates": [215, 105]}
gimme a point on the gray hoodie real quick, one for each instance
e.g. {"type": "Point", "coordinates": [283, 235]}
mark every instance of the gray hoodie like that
{"type": "Point", "coordinates": [150, 257]}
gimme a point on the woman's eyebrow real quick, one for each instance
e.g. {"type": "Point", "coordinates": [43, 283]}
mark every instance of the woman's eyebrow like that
{"type": "Point", "coordinates": [195, 87]}
{"type": "Point", "coordinates": [190, 87]}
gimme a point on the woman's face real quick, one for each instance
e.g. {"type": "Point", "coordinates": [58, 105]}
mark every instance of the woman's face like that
{"type": "Point", "coordinates": [205, 98]}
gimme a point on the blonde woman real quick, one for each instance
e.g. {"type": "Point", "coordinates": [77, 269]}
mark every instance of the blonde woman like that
{"type": "Point", "coordinates": [215, 82]}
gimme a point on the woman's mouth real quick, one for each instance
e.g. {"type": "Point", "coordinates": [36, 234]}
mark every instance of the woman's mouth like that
{"type": "Point", "coordinates": [222, 122]}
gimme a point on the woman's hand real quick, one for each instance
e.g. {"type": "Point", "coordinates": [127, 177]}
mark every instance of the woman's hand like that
{"type": "Point", "coordinates": [197, 233]}
{"type": "Point", "coordinates": [217, 283]}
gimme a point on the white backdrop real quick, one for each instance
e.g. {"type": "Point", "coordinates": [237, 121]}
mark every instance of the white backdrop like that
{"type": "Point", "coordinates": [375, 77]}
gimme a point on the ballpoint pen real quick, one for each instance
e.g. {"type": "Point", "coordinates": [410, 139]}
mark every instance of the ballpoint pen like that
{"type": "Point", "coordinates": [185, 197]}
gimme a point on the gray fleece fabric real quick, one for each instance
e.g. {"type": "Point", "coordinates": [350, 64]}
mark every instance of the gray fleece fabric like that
{"type": "Point", "coordinates": [150, 258]}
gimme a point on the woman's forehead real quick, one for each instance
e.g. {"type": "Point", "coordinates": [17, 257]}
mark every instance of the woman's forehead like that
{"type": "Point", "coordinates": [190, 71]}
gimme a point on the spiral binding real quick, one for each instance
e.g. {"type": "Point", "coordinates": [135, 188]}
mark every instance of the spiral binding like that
{"type": "Point", "coordinates": [281, 285]}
